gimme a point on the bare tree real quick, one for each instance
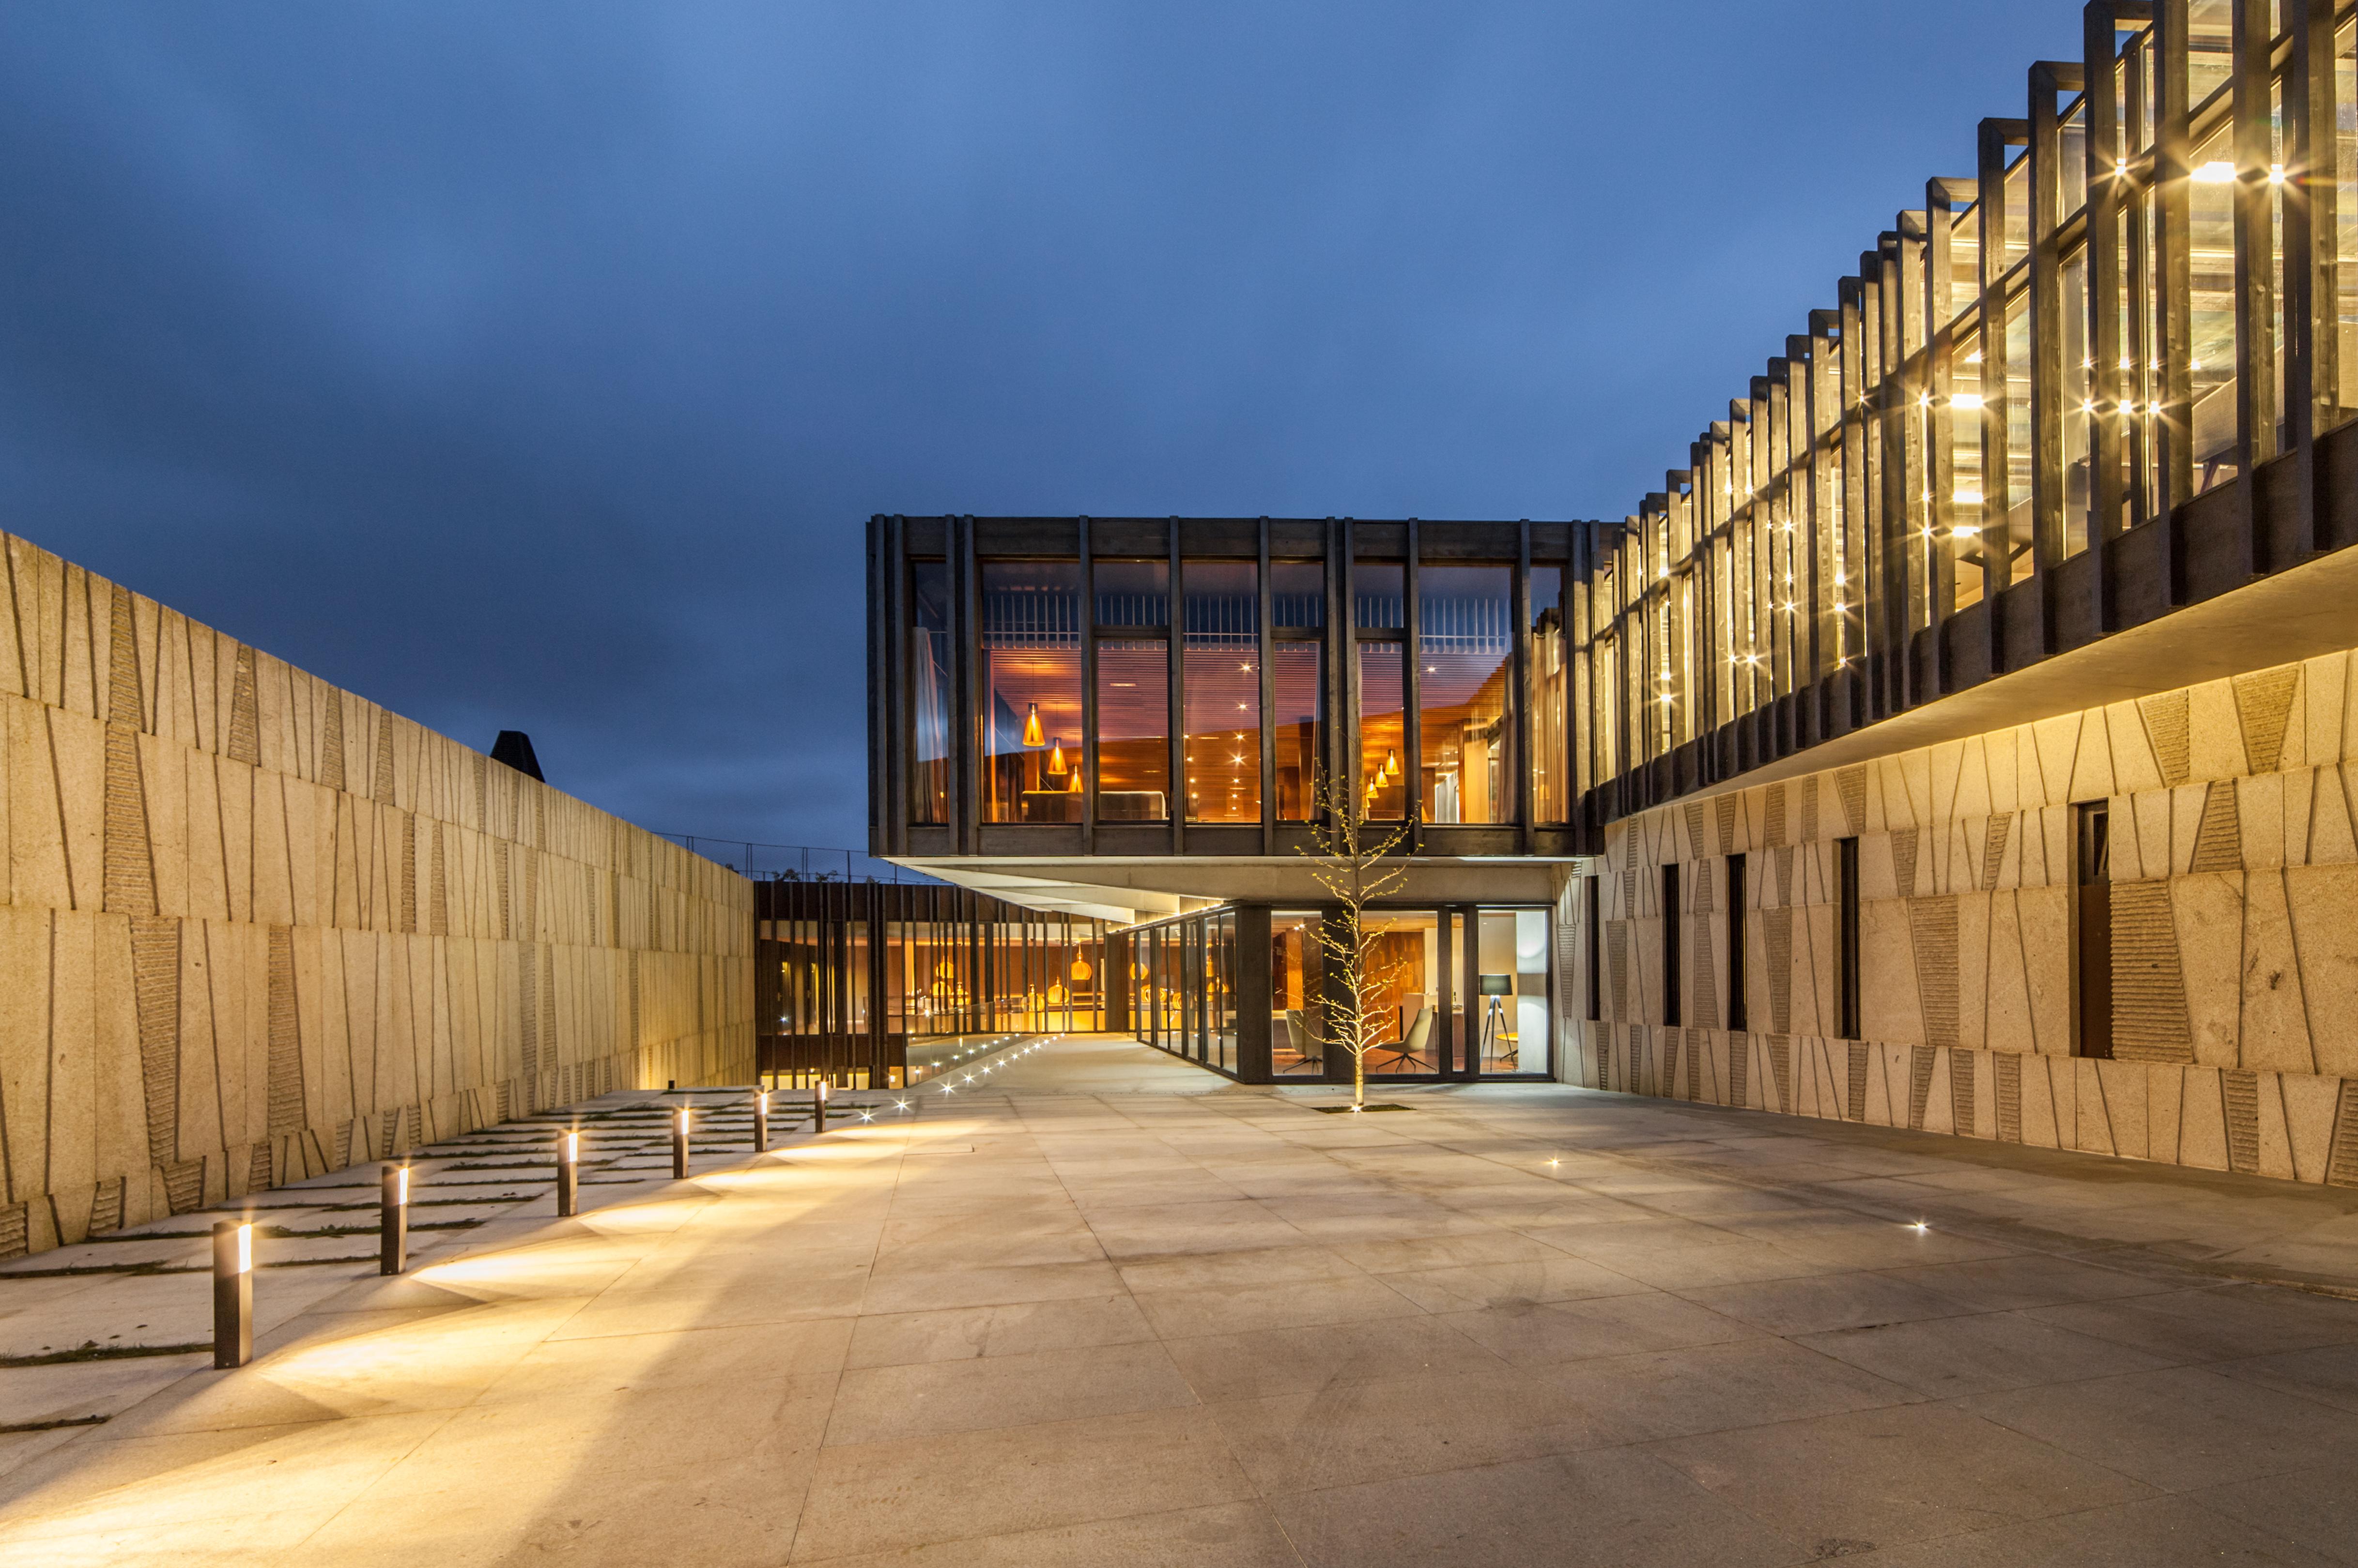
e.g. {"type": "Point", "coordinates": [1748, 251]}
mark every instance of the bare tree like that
{"type": "Point", "coordinates": [1348, 856]}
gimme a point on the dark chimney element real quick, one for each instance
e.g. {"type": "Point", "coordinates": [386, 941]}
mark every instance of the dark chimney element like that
{"type": "Point", "coordinates": [515, 748]}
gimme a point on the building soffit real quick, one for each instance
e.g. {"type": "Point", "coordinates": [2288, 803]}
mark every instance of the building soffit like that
{"type": "Point", "coordinates": [1129, 888]}
{"type": "Point", "coordinates": [2301, 612]}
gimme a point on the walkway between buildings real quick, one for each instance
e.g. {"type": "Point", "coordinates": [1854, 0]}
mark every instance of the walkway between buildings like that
{"type": "Point", "coordinates": [1100, 1307]}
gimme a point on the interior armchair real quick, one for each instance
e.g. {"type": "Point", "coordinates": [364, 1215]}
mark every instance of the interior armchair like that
{"type": "Point", "coordinates": [1410, 1048]}
{"type": "Point", "coordinates": [1309, 1057]}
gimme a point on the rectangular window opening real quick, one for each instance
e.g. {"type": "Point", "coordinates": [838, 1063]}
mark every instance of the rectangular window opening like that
{"type": "Point", "coordinates": [1591, 919]}
{"type": "Point", "coordinates": [1736, 1021]}
{"type": "Point", "coordinates": [1846, 878]}
{"type": "Point", "coordinates": [2093, 918]}
{"type": "Point", "coordinates": [1221, 659]}
{"type": "Point", "coordinates": [1670, 914]}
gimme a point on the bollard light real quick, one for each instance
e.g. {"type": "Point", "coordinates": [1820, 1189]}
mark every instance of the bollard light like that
{"type": "Point", "coordinates": [232, 1292]}
{"type": "Point", "coordinates": [679, 1144]}
{"type": "Point", "coordinates": [569, 1173]}
{"type": "Point", "coordinates": [819, 1107]}
{"type": "Point", "coordinates": [392, 1219]}
{"type": "Point", "coordinates": [762, 1122]}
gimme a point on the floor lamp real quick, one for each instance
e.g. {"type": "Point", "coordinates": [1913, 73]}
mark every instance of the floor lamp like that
{"type": "Point", "coordinates": [1494, 1017]}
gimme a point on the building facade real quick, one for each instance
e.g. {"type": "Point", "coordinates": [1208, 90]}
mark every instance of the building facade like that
{"type": "Point", "coordinates": [254, 928]}
{"type": "Point", "coordinates": [862, 983]}
{"type": "Point", "coordinates": [1129, 719]}
{"type": "Point", "coordinates": [1969, 728]}
{"type": "Point", "coordinates": [1955, 741]}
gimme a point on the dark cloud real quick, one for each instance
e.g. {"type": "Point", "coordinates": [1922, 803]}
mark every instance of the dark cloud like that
{"type": "Point", "coordinates": [535, 365]}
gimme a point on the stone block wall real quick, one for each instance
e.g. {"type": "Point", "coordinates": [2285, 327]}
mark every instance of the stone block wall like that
{"type": "Point", "coordinates": [2234, 917]}
{"type": "Point", "coordinates": [254, 928]}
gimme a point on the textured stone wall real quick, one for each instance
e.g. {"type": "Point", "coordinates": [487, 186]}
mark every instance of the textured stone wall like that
{"type": "Point", "coordinates": [2234, 917]}
{"type": "Point", "coordinates": [253, 927]}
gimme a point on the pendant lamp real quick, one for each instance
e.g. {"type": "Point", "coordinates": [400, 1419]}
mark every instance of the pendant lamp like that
{"type": "Point", "coordinates": [1032, 736]}
{"type": "Point", "coordinates": [1055, 757]}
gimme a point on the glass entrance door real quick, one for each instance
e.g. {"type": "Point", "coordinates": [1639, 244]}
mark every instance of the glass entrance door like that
{"type": "Point", "coordinates": [1508, 1016]}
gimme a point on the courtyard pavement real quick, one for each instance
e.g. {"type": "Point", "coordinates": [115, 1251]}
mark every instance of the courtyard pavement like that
{"type": "Point", "coordinates": [1100, 1307]}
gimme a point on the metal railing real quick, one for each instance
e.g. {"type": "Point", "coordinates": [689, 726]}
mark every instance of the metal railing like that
{"type": "Point", "coordinates": [795, 862]}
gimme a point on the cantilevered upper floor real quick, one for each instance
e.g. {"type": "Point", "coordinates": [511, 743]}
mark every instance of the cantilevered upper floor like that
{"type": "Point", "coordinates": [1116, 690]}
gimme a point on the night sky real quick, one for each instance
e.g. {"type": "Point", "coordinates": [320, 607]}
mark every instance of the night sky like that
{"type": "Point", "coordinates": [537, 366]}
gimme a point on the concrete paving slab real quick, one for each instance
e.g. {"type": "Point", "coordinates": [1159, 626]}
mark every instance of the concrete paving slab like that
{"type": "Point", "coordinates": [1611, 1507]}
{"type": "Point", "coordinates": [1106, 1307]}
{"type": "Point", "coordinates": [1979, 1353]}
{"type": "Point", "coordinates": [1858, 1476]}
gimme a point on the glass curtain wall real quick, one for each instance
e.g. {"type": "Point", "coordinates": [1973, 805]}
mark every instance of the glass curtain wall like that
{"type": "Point", "coordinates": [1001, 973]}
{"type": "Point", "coordinates": [1244, 730]}
{"type": "Point", "coordinates": [1221, 676]}
{"type": "Point", "coordinates": [1405, 967]}
{"type": "Point", "coordinates": [1219, 935]}
{"type": "Point", "coordinates": [2142, 350]}
{"type": "Point", "coordinates": [1966, 416]}
{"type": "Point", "coordinates": [1190, 987]}
{"type": "Point", "coordinates": [2077, 406]}
{"type": "Point", "coordinates": [1297, 592]}
{"type": "Point", "coordinates": [1512, 991]}
{"type": "Point", "coordinates": [2210, 308]}
{"type": "Point", "coordinates": [1032, 686]}
{"type": "Point", "coordinates": [1457, 991]}
{"type": "Point", "coordinates": [1297, 974]}
{"type": "Point", "coordinates": [1465, 640]}
{"type": "Point", "coordinates": [929, 692]}
{"type": "Point", "coordinates": [2343, 314]}
{"type": "Point", "coordinates": [1378, 616]}
{"type": "Point", "coordinates": [1133, 749]}
{"type": "Point", "coordinates": [1550, 676]}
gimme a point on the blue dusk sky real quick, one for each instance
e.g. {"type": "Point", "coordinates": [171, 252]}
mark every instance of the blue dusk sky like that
{"type": "Point", "coordinates": [536, 366]}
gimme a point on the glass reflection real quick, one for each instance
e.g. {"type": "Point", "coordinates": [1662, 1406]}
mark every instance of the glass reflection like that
{"type": "Point", "coordinates": [1550, 678]}
{"type": "Point", "coordinates": [1297, 973]}
{"type": "Point", "coordinates": [1465, 656]}
{"type": "Point", "coordinates": [1133, 749]}
{"type": "Point", "coordinates": [2079, 410]}
{"type": "Point", "coordinates": [2211, 300]}
{"type": "Point", "coordinates": [1298, 688]}
{"type": "Point", "coordinates": [1512, 991]}
{"type": "Point", "coordinates": [1134, 753]}
{"type": "Point", "coordinates": [1297, 595]}
{"type": "Point", "coordinates": [1405, 967]}
{"type": "Point", "coordinates": [1966, 479]}
{"type": "Point", "coordinates": [1383, 732]}
{"type": "Point", "coordinates": [1032, 676]}
{"type": "Point", "coordinates": [1221, 655]}
{"type": "Point", "coordinates": [929, 692]}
